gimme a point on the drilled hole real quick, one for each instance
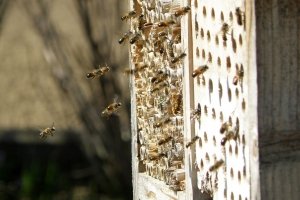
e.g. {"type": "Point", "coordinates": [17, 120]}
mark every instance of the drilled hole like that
{"type": "Point", "coordinates": [213, 113]}
{"type": "Point", "coordinates": [208, 35]}
{"type": "Point", "coordinates": [243, 104]}
{"type": "Point", "coordinates": [201, 163]}
{"type": "Point", "coordinates": [236, 150]}
{"type": "Point", "coordinates": [229, 94]}
{"type": "Point", "coordinates": [210, 86]}
{"type": "Point", "coordinates": [196, 25]}
{"type": "Point", "coordinates": [197, 52]}
{"type": "Point", "coordinates": [221, 116]}
{"type": "Point", "coordinates": [244, 171]}
{"type": "Point", "coordinates": [243, 139]}
{"type": "Point", "coordinates": [205, 109]}
{"type": "Point", "coordinates": [209, 59]}
{"type": "Point", "coordinates": [207, 157]}
{"type": "Point", "coordinates": [233, 42]}
{"type": "Point", "coordinates": [237, 93]}
{"type": "Point", "coordinates": [203, 54]}
{"type": "Point", "coordinates": [200, 142]}
{"type": "Point", "coordinates": [240, 197]}
{"type": "Point", "coordinates": [225, 193]}
{"type": "Point", "coordinates": [239, 176]}
{"type": "Point", "coordinates": [230, 16]}
{"type": "Point", "coordinates": [230, 120]}
{"type": "Point", "coordinates": [219, 61]}
{"type": "Point", "coordinates": [196, 3]}
{"type": "Point", "coordinates": [222, 16]}
{"type": "Point", "coordinates": [213, 13]}
{"type": "Point", "coordinates": [240, 40]}
{"type": "Point", "coordinates": [232, 196]}
{"type": "Point", "coordinates": [214, 141]}
{"type": "Point", "coordinates": [204, 11]}
{"type": "Point", "coordinates": [202, 32]}
{"type": "Point", "coordinates": [230, 149]}
{"type": "Point", "coordinates": [217, 40]}
{"type": "Point", "coordinates": [220, 92]}
{"type": "Point", "coordinates": [205, 137]}
{"type": "Point", "coordinates": [228, 62]}
{"type": "Point", "coordinates": [231, 172]}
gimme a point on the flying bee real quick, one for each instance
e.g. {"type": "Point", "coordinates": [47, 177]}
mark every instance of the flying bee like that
{"type": "Point", "coordinates": [199, 71]}
{"type": "Point", "coordinates": [239, 16]}
{"type": "Point", "coordinates": [238, 77]}
{"type": "Point", "coordinates": [135, 38]}
{"type": "Point", "coordinates": [225, 30]}
{"type": "Point", "coordinates": [196, 113]}
{"type": "Point", "coordinates": [128, 15]}
{"type": "Point", "coordinates": [47, 132]}
{"type": "Point", "coordinates": [98, 72]}
{"type": "Point", "coordinates": [182, 11]}
{"type": "Point", "coordinates": [111, 108]}
{"type": "Point", "coordinates": [165, 23]}
{"type": "Point", "coordinates": [178, 58]}
{"type": "Point", "coordinates": [216, 166]}
{"type": "Point", "coordinates": [124, 37]}
{"type": "Point", "coordinates": [194, 139]}
{"type": "Point", "coordinates": [165, 140]}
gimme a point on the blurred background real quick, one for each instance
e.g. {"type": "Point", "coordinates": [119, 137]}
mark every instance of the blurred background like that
{"type": "Point", "coordinates": [46, 49]}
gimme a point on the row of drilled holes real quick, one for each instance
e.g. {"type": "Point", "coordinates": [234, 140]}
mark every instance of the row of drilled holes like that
{"type": "Point", "coordinates": [210, 58]}
{"type": "Point", "coordinates": [217, 40]}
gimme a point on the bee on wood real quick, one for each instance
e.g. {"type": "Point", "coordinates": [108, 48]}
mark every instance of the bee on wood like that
{"type": "Point", "coordinates": [238, 77]}
{"type": "Point", "coordinates": [225, 30]}
{"type": "Point", "coordinates": [98, 72]}
{"type": "Point", "coordinates": [229, 135]}
{"type": "Point", "coordinates": [162, 122]}
{"type": "Point", "coordinates": [199, 71]}
{"type": "Point", "coordinates": [178, 58]}
{"type": "Point", "coordinates": [194, 139]}
{"type": "Point", "coordinates": [138, 68]}
{"type": "Point", "coordinates": [159, 86]}
{"type": "Point", "coordinates": [165, 140]}
{"type": "Point", "coordinates": [162, 34]}
{"type": "Point", "coordinates": [124, 37]}
{"type": "Point", "coordinates": [176, 103]}
{"type": "Point", "coordinates": [182, 11]}
{"type": "Point", "coordinates": [135, 38]}
{"type": "Point", "coordinates": [196, 113]}
{"type": "Point", "coordinates": [128, 15]}
{"type": "Point", "coordinates": [111, 108]}
{"type": "Point", "coordinates": [239, 16]}
{"type": "Point", "coordinates": [216, 166]}
{"type": "Point", "coordinates": [47, 132]}
{"type": "Point", "coordinates": [170, 48]}
{"type": "Point", "coordinates": [159, 78]}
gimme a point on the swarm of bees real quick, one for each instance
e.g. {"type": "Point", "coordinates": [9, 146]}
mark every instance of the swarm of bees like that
{"type": "Point", "coordinates": [47, 132]}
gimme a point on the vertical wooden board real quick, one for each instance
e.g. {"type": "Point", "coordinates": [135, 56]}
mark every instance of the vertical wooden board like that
{"type": "Point", "coordinates": [224, 169]}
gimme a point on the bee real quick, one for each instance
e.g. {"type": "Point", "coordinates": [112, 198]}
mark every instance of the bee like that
{"type": "Point", "coordinates": [159, 86]}
{"type": "Point", "coordinates": [178, 58]}
{"type": "Point", "coordinates": [111, 108]}
{"type": "Point", "coordinates": [138, 68]}
{"type": "Point", "coordinates": [200, 70]}
{"type": "Point", "coordinates": [128, 15]}
{"type": "Point", "coordinates": [124, 37]}
{"type": "Point", "coordinates": [176, 103]}
{"type": "Point", "coordinates": [194, 139]}
{"type": "Point", "coordinates": [170, 48]}
{"type": "Point", "coordinates": [135, 38]}
{"type": "Point", "coordinates": [182, 11]}
{"type": "Point", "coordinates": [165, 23]}
{"type": "Point", "coordinates": [196, 114]}
{"type": "Point", "coordinates": [159, 78]}
{"type": "Point", "coordinates": [224, 127]}
{"type": "Point", "coordinates": [156, 156]}
{"type": "Point", "coordinates": [47, 132]}
{"type": "Point", "coordinates": [141, 21]}
{"type": "Point", "coordinates": [225, 30]}
{"type": "Point", "coordinates": [165, 140]}
{"type": "Point", "coordinates": [98, 72]}
{"type": "Point", "coordinates": [239, 16]}
{"type": "Point", "coordinates": [230, 135]}
{"type": "Point", "coordinates": [162, 122]}
{"type": "Point", "coordinates": [216, 166]}
{"type": "Point", "coordinates": [238, 77]}
{"type": "Point", "coordinates": [162, 34]}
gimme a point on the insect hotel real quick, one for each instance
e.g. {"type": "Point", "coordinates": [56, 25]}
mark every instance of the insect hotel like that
{"type": "Point", "coordinates": [214, 99]}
